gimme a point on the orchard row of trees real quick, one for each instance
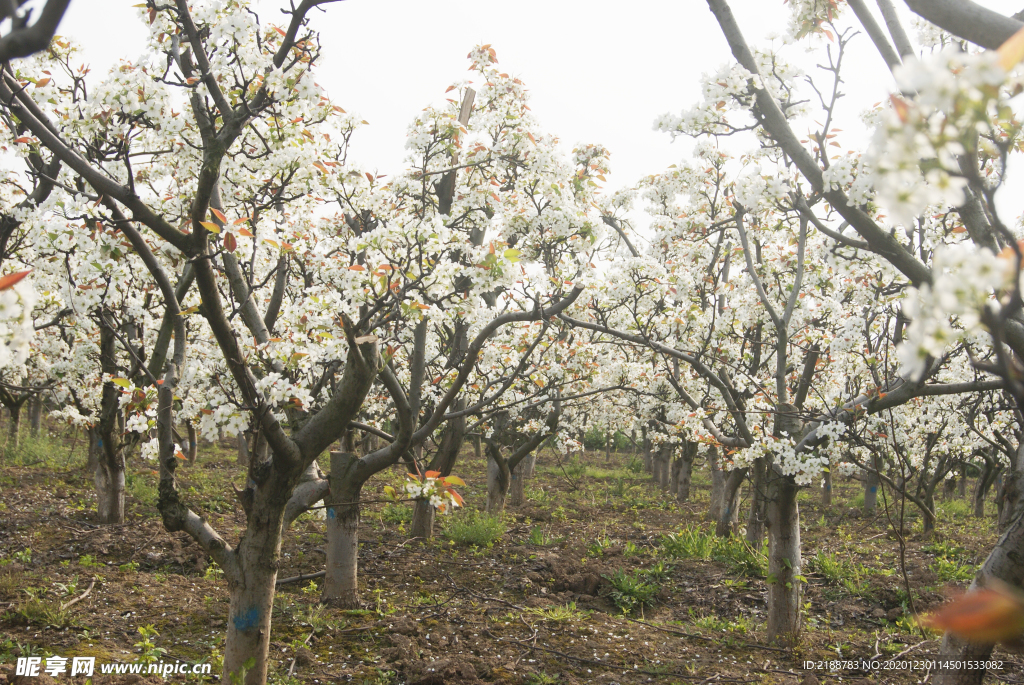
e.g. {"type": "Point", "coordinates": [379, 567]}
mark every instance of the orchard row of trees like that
{"type": "Point", "coordinates": [205, 260]}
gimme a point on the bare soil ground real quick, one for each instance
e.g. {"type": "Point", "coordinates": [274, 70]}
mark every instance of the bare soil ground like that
{"type": "Point", "coordinates": [541, 604]}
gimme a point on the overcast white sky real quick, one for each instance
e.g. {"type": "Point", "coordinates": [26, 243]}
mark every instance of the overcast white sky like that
{"type": "Point", "coordinates": [598, 71]}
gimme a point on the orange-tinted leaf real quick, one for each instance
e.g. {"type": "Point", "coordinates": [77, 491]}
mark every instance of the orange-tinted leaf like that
{"type": "Point", "coordinates": [433, 474]}
{"type": "Point", "coordinates": [210, 226]}
{"type": "Point", "coordinates": [10, 279]}
{"type": "Point", "coordinates": [42, 82]}
{"type": "Point", "coordinates": [900, 106]}
{"type": "Point", "coordinates": [230, 244]}
{"type": "Point", "coordinates": [246, 232]}
{"type": "Point", "coordinates": [1012, 51]}
{"type": "Point", "coordinates": [457, 497]}
{"type": "Point", "coordinates": [219, 214]}
{"type": "Point", "coordinates": [990, 614]}
{"type": "Point", "coordinates": [455, 480]}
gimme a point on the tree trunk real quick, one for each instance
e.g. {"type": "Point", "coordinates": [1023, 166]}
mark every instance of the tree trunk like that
{"type": "Point", "coordinates": [730, 515]}
{"type": "Point", "coordinates": [928, 517]}
{"type": "Point", "coordinates": [949, 489]}
{"type": "Point", "coordinates": [14, 427]}
{"type": "Point", "coordinates": [664, 459]}
{"type": "Point", "coordinates": [988, 474]}
{"type": "Point", "coordinates": [870, 491]}
{"type": "Point", "coordinates": [452, 439]}
{"type": "Point", "coordinates": [423, 515]}
{"type": "Point", "coordinates": [608, 449]}
{"type": "Point", "coordinates": [1004, 563]}
{"type": "Point", "coordinates": [826, 489]}
{"type": "Point", "coordinates": [961, 483]}
{"type": "Point", "coordinates": [517, 486]}
{"type": "Point", "coordinates": [243, 449]}
{"type": "Point", "coordinates": [498, 479]}
{"type": "Point", "coordinates": [685, 476]}
{"type": "Point", "coordinates": [674, 469]}
{"type": "Point", "coordinates": [477, 447]}
{"type": "Point", "coordinates": [717, 485]}
{"type": "Point", "coordinates": [529, 465]}
{"type": "Point", "coordinates": [341, 584]}
{"type": "Point", "coordinates": [648, 461]}
{"type": "Point", "coordinates": [93, 452]}
{"type": "Point", "coordinates": [252, 599]}
{"type": "Point", "coordinates": [35, 413]}
{"type": "Point", "coordinates": [109, 474]}
{"type": "Point", "coordinates": [758, 504]}
{"type": "Point", "coordinates": [783, 523]}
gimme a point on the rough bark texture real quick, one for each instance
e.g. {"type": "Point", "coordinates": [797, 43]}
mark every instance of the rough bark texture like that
{"type": "Point", "coordinates": [717, 485]}
{"type": "Point", "coordinates": [870, 492]}
{"type": "Point", "coordinates": [826, 489]}
{"type": "Point", "coordinates": [341, 584]}
{"type": "Point", "coordinates": [783, 524]}
{"type": "Point", "coordinates": [498, 479]}
{"type": "Point", "coordinates": [730, 515]}
{"type": "Point", "coordinates": [423, 515]}
{"type": "Point", "coordinates": [109, 474]}
{"type": "Point", "coordinates": [35, 410]}
{"type": "Point", "coordinates": [758, 504]}
{"type": "Point", "coordinates": [252, 596]}
{"type": "Point", "coordinates": [988, 475]}
{"type": "Point", "coordinates": [1006, 563]}
{"type": "Point", "coordinates": [686, 456]}
{"type": "Point", "coordinates": [517, 485]}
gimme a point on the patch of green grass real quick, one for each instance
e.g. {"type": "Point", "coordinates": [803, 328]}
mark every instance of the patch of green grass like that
{"type": "Point", "coordinates": [474, 529]}
{"type": "Point", "coordinates": [841, 572]}
{"type": "Point", "coordinates": [954, 509]}
{"type": "Point", "coordinates": [43, 450]}
{"type": "Point", "coordinates": [694, 543]}
{"type": "Point", "coordinates": [141, 486]}
{"type": "Point", "coordinates": [396, 513]}
{"type": "Point", "coordinates": [560, 613]}
{"type": "Point", "coordinates": [953, 571]}
{"type": "Point", "coordinates": [630, 591]}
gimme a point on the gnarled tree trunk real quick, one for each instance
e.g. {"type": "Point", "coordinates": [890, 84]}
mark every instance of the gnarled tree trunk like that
{"type": "Point", "coordinates": [783, 523]}
{"type": "Point", "coordinates": [498, 478]}
{"type": "Point", "coordinates": [341, 584]}
{"type": "Point", "coordinates": [1005, 563]}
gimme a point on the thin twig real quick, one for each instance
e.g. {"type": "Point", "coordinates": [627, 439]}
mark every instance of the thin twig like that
{"type": "Point", "coordinates": [82, 596]}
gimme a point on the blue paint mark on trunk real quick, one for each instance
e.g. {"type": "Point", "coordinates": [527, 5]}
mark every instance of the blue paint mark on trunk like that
{"type": "Point", "coordinates": [331, 513]}
{"type": "Point", "coordinates": [874, 489]}
{"type": "Point", "coordinates": [247, 620]}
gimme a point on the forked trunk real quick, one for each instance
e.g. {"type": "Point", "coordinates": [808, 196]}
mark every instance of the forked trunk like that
{"type": "Point", "coordinates": [758, 504]}
{"type": "Point", "coordinates": [730, 515]}
{"type": "Point", "coordinates": [1005, 563]}
{"type": "Point", "coordinates": [341, 584]}
{"type": "Point", "coordinates": [783, 523]}
{"type": "Point", "coordinates": [252, 599]}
